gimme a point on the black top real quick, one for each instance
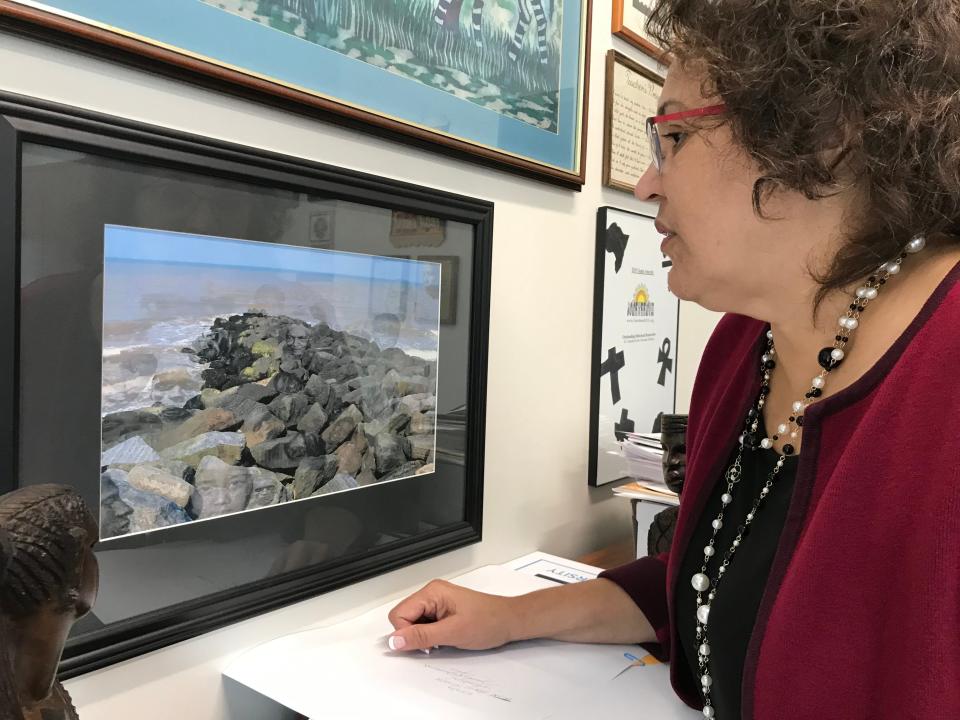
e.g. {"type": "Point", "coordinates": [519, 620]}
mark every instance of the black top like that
{"type": "Point", "coordinates": [734, 610]}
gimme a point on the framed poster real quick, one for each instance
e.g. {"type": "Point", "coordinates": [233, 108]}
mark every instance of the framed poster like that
{"type": "Point", "coordinates": [501, 83]}
{"type": "Point", "coordinates": [630, 23]}
{"type": "Point", "coordinates": [632, 93]}
{"type": "Point", "coordinates": [635, 327]}
{"type": "Point", "coordinates": [258, 420]}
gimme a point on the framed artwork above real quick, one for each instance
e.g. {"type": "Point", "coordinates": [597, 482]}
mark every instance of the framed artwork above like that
{"type": "Point", "coordinates": [258, 416]}
{"type": "Point", "coordinates": [502, 83]}
{"type": "Point", "coordinates": [629, 23]}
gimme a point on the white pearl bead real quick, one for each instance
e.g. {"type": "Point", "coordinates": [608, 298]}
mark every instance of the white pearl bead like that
{"type": "Point", "coordinates": [703, 614]}
{"type": "Point", "coordinates": [722, 570]}
{"type": "Point", "coordinates": [749, 516]}
{"type": "Point", "coordinates": [797, 406]}
{"type": "Point", "coordinates": [862, 292]}
{"type": "Point", "coordinates": [726, 498]}
{"type": "Point", "coordinates": [781, 428]}
{"type": "Point", "coordinates": [916, 244]}
{"type": "Point", "coordinates": [766, 357]}
{"type": "Point", "coordinates": [818, 382]}
{"type": "Point", "coordinates": [766, 443]}
{"type": "Point", "coordinates": [700, 582]}
{"type": "Point", "coordinates": [708, 711]}
{"type": "Point", "coordinates": [872, 293]}
{"type": "Point", "coordinates": [709, 551]}
{"type": "Point", "coordinates": [705, 649]}
{"type": "Point", "coordinates": [837, 354]}
{"type": "Point", "coordinates": [736, 543]}
{"type": "Point", "coordinates": [764, 491]}
{"type": "Point", "coordinates": [793, 434]}
{"type": "Point", "coordinates": [717, 524]}
{"type": "Point", "coordinates": [849, 323]}
{"type": "Point", "coordinates": [706, 681]}
{"type": "Point", "coordinates": [892, 267]}
{"type": "Point", "coordinates": [769, 334]}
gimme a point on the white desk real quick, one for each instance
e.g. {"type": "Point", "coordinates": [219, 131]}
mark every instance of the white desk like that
{"type": "Point", "coordinates": [346, 671]}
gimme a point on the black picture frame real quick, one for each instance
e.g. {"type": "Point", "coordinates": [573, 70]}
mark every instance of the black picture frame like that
{"type": "Point", "coordinates": [595, 474]}
{"type": "Point", "coordinates": [457, 483]}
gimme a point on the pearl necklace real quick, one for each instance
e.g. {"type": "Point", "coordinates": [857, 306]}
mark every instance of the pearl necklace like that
{"type": "Point", "coordinates": [828, 358]}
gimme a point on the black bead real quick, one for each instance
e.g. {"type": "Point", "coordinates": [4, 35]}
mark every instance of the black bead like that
{"type": "Point", "coordinates": [800, 421]}
{"type": "Point", "coordinates": [883, 282]}
{"type": "Point", "coordinates": [792, 418]}
{"type": "Point", "coordinates": [776, 437]}
{"type": "Point", "coordinates": [788, 449]}
{"type": "Point", "coordinates": [808, 395]}
{"type": "Point", "coordinates": [770, 364]}
{"type": "Point", "coordinates": [873, 278]}
{"type": "Point", "coordinates": [826, 361]}
{"type": "Point", "coordinates": [752, 413]}
{"type": "Point", "coordinates": [845, 339]}
{"type": "Point", "coordinates": [816, 392]}
{"type": "Point", "coordinates": [839, 338]}
{"type": "Point", "coordinates": [749, 440]}
{"type": "Point", "coordinates": [854, 307]}
{"type": "Point", "coordinates": [764, 389]}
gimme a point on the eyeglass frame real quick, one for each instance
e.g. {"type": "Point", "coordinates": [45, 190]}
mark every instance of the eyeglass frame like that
{"type": "Point", "coordinates": [656, 152]}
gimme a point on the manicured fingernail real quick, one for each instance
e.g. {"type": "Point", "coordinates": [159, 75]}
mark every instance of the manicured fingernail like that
{"type": "Point", "coordinates": [395, 642]}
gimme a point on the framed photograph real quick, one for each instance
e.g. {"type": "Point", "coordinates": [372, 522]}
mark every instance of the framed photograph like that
{"type": "Point", "coordinates": [630, 23]}
{"type": "Point", "coordinates": [502, 83]}
{"type": "Point", "coordinates": [255, 419]}
{"type": "Point", "coordinates": [635, 328]}
{"type": "Point", "coordinates": [411, 230]}
{"type": "Point", "coordinates": [322, 229]}
{"type": "Point", "coordinates": [632, 93]}
{"type": "Point", "coordinates": [446, 270]}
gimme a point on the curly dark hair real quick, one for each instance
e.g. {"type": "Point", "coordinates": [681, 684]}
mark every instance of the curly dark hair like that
{"type": "Point", "coordinates": [826, 95]}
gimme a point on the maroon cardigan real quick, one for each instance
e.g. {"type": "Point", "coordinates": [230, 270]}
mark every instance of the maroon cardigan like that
{"type": "Point", "coordinates": [861, 613]}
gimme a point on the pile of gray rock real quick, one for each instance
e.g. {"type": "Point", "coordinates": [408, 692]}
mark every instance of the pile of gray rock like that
{"type": "Point", "coordinates": [287, 411]}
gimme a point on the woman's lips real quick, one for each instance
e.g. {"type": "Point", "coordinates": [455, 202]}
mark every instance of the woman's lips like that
{"type": "Point", "coordinates": [663, 243]}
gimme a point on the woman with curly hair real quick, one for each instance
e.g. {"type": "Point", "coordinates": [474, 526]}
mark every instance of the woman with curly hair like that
{"type": "Point", "coordinates": [50, 579]}
{"type": "Point", "coordinates": [806, 163]}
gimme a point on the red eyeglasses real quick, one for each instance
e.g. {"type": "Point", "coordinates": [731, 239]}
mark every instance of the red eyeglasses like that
{"type": "Point", "coordinates": [654, 137]}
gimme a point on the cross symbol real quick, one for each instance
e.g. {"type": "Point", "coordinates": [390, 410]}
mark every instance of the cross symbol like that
{"type": "Point", "coordinates": [666, 364]}
{"type": "Point", "coordinates": [613, 364]}
{"type": "Point", "coordinates": [624, 426]}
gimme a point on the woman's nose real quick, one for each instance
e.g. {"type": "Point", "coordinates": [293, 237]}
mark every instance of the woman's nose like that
{"type": "Point", "coordinates": [648, 186]}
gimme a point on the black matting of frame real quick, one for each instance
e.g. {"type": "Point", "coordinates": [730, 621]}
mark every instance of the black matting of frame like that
{"type": "Point", "coordinates": [28, 120]}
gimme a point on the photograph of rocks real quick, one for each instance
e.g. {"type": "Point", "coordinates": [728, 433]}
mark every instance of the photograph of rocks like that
{"type": "Point", "coordinates": [239, 375]}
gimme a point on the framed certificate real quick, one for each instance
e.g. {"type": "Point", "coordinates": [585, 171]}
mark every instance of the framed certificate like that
{"type": "Point", "coordinates": [632, 93]}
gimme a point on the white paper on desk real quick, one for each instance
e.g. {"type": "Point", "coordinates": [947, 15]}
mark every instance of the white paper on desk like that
{"type": "Point", "coordinates": [346, 671]}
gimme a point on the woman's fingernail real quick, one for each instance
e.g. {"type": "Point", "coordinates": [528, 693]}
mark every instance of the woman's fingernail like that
{"type": "Point", "coordinates": [395, 642]}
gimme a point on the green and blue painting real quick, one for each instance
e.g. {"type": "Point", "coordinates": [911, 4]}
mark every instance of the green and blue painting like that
{"type": "Point", "coordinates": [503, 55]}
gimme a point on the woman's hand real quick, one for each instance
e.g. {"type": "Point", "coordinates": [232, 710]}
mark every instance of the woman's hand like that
{"type": "Point", "coordinates": [442, 613]}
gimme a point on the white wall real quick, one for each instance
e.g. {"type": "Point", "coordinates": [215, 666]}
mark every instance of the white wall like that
{"type": "Point", "coordinates": [536, 496]}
